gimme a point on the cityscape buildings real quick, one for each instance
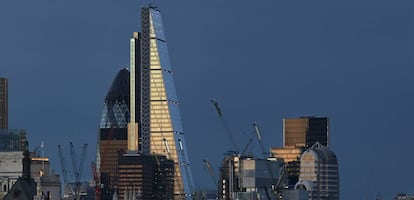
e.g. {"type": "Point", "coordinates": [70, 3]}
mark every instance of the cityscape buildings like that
{"type": "Point", "coordinates": [47, 181]}
{"type": "Point", "coordinates": [13, 140]}
{"type": "Point", "coordinates": [146, 177]}
{"type": "Point", "coordinates": [113, 131]}
{"type": "Point", "coordinates": [244, 177]}
{"type": "Point", "coordinates": [319, 173]}
{"type": "Point", "coordinates": [299, 134]}
{"type": "Point", "coordinates": [161, 129]}
{"type": "Point", "coordinates": [3, 103]}
{"type": "Point", "coordinates": [141, 113]}
{"type": "Point", "coordinates": [305, 131]}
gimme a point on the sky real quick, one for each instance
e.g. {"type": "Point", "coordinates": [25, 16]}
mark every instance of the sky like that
{"type": "Point", "coordinates": [351, 61]}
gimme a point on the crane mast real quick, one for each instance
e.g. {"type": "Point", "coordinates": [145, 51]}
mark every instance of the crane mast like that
{"type": "Point", "coordinates": [210, 171]}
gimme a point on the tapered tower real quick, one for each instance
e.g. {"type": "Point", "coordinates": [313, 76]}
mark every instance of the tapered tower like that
{"type": "Point", "coordinates": [161, 131]}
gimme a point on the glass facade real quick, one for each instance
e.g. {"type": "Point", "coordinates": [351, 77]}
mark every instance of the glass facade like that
{"type": "Point", "coordinates": [146, 177]}
{"type": "Point", "coordinates": [13, 140]}
{"type": "Point", "coordinates": [161, 129]}
{"type": "Point", "coordinates": [113, 130]}
{"type": "Point", "coordinates": [305, 131]}
{"type": "Point", "coordinates": [319, 172]}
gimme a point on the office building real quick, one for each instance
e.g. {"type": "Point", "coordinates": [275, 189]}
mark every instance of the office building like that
{"type": "Point", "coordinates": [229, 176]}
{"type": "Point", "coordinates": [13, 140]}
{"type": "Point", "coordinates": [141, 113]}
{"type": "Point", "coordinates": [305, 131]}
{"type": "Point", "coordinates": [259, 179]}
{"type": "Point", "coordinates": [299, 134]}
{"type": "Point", "coordinates": [146, 177]}
{"type": "Point", "coordinates": [113, 132]}
{"type": "Point", "coordinates": [3, 103]}
{"type": "Point", "coordinates": [249, 178]}
{"type": "Point", "coordinates": [161, 131]}
{"type": "Point", "coordinates": [319, 173]}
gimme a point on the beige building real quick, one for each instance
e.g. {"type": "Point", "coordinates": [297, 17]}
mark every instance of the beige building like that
{"type": "Point", "coordinates": [11, 168]}
{"type": "Point", "coordinates": [298, 134]}
{"type": "Point", "coordinates": [319, 173]}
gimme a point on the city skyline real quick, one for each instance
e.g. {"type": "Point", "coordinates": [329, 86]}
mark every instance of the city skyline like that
{"type": "Point", "coordinates": [350, 61]}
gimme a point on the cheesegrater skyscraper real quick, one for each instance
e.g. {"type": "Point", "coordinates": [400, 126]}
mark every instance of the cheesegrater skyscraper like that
{"type": "Point", "coordinates": [159, 122]}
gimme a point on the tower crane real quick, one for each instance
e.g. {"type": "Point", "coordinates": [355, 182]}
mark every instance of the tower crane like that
{"type": "Point", "coordinates": [62, 165]}
{"type": "Point", "coordinates": [96, 178]}
{"type": "Point", "coordinates": [265, 156]}
{"type": "Point", "coordinates": [210, 171]}
{"type": "Point", "coordinates": [220, 114]}
{"type": "Point", "coordinates": [64, 171]}
{"type": "Point", "coordinates": [259, 138]}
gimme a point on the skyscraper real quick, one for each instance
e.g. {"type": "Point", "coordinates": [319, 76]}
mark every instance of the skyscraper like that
{"type": "Point", "coordinates": [3, 103]}
{"type": "Point", "coordinates": [161, 131]}
{"type": "Point", "coordinates": [113, 130]}
{"type": "Point", "coordinates": [319, 173]}
{"type": "Point", "coordinates": [299, 134]}
{"type": "Point", "coordinates": [305, 131]}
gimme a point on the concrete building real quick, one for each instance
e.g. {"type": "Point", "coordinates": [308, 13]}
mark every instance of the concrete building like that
{"type": "Point", "coordinates": [319, 173]}
{"type": "Point", "coordinates": [258, 178]}
{"type": "Point", "coordinates": [229, 176]}
{"type": "Point", "coordinates": [4, 103]}
{"type": "Point", "coordinates": [248, 178]}
{"type": "Point", "coordinates": [25, 187]}
{"type": "Point", "coordinates": [47, 183]}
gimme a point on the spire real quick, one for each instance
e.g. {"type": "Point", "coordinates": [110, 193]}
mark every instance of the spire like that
{"type": "Point", "coordinates": [26, 165]}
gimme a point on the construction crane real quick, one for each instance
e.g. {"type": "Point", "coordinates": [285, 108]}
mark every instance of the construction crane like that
{"type": "Point", "coordinates": [265, 155]}
{"type": "Point", "coordinates": [97, 182]}
{"type": "Point", "coordinates": [62, 165]}
{"type": "Point", "coordinates": [77, 169]}
{"type": "Point", "coordinates": [74, 164]}
{"type": "Point", "coordinates": [247, 146]}
{"type": "Point", "coordinates": [210, 171]}
{"type": "Point", "coordinates": [64, 171]}
{"type": "Point", "coordinates": [220, 114]}
{"type": "Point", "coordinates": [259, 139]}
{"type": "Point", "coordinates": [82, 162]}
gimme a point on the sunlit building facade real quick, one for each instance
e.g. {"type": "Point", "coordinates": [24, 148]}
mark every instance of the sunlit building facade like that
{"type": "Point", "coordinates": [161, 131]}
{"type": "Point", "coordinates": [3, 103]}
{"type": "Point", "coordinates": [305, 131]}
{"type": "Point", "coordinates": [319, 173]}
{"type": "Point", "coordinates": [146, 177]}
{"type": "Point", "coordinates": [113, 132]}
{"type": "Point", "coordinates": [299, 134]}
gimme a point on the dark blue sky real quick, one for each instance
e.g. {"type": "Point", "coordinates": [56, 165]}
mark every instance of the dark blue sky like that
{"type": "Point", "coordinates": [349, 60]}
